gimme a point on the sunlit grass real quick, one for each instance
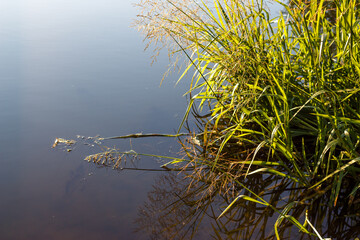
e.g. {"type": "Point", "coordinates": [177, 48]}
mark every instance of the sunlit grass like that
{"type": "Point", "coordinates": [283, 93]}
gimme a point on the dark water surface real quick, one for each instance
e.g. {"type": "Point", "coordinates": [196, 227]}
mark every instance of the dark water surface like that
{"type": "Point", "coordinates": [71, 67]}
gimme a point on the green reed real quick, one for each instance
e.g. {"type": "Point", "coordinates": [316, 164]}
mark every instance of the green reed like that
{"type": "Point", "coordinates": [283, 92]}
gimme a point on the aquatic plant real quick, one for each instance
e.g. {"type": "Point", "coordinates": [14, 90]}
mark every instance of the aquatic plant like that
{"type": "Point", "coordinates": [283, 95]}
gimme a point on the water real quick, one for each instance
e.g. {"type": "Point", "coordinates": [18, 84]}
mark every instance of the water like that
{"type": "Point", "coordinates": [68, 68]}
{"type": "Point", "coordinates": [75, 67]}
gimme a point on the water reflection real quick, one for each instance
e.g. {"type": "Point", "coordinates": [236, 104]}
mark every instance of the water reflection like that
{"type": "Point", "coordinates": [179, 208]}
{"type": "Point", "coordinates": [187, 204]}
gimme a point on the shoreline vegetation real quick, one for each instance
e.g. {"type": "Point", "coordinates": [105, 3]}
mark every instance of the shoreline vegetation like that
{"type": "Point", "coordinates": [276, 102]}
{"type": "Point", "coordinates": [283, 96]}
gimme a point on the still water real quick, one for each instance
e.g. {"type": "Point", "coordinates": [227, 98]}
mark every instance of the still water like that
{"type": "Point", "coordinates": [71, 67]}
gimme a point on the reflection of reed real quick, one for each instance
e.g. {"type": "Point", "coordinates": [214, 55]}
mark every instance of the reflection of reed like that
{"type": "Point", "coordinates": [176, 209]}
{"type": "Point", "coordinates": [172, 210]}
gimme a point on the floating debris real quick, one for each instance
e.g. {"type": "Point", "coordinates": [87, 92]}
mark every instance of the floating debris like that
{"type": "Point", "coordinates": [64, 141]}
{"type": "Point", "coordinates": [194, 141]}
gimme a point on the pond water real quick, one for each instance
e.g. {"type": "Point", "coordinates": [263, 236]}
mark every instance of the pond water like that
{"type": "Point", "coordinates": [68, 68]}
{"type": "Point", "coordinates": [75, 67]}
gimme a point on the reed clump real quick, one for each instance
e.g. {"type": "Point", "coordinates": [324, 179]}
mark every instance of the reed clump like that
{"type": "Point", "coordinates": [283, 95]}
